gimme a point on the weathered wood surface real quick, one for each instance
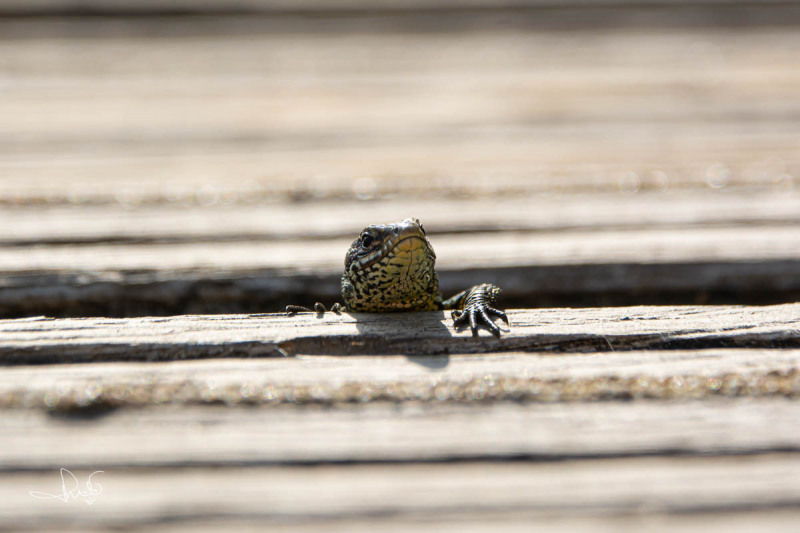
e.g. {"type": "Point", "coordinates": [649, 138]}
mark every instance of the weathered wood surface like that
{"type": "Point", "coordinates": [186, 436]}
{"type": "Point", "coordinates": [203, 270]}
{"type": "Point", "coordinates": [185, 154]}
{"type": "Point", "coordinates": [335, 381]}
{"type": "Point", "coordinates": [155, 159]}
{"type": "Point", "coordinates": [233, 112]}
{"type": "Point", "coordinates": [128, 7]}
{"type": "Point", "coordinates": [170, 223]}
{"type": "Point", "coordinates": [155, 458]}
{"type": "Point", "coordinates": [41, 340]}
{"type": "Point", "coordinates": [620, 495]}
{"type": "Point", "coordinates": [770, 244]}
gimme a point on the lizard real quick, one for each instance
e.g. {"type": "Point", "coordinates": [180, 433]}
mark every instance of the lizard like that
{"type": "Point", "coordinates": [390, 268]}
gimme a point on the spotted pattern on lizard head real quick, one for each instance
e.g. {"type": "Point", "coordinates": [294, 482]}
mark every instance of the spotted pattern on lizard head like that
{"type": "Point", "coordinates": [391, 268]}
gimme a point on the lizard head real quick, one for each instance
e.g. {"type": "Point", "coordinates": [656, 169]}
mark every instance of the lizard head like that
{"type": "Point", "coordinates": [390, 267]}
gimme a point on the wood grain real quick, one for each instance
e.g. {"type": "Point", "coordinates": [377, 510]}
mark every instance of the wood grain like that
{"type": "Point", "coordinates": [458, 379]}
{"type": "Point", "coordinates": [758, 264]}
{"type": "Point", "coordinates": [127, 6]}
{"type": "Point", "coordinates": [41, 340]}
{"type": "Point", "coordinates": [200, 157]}
{"type": "Point", "coordinates": [259, 117]}
{"type": "Point", "coordinates": [207, 436]}
{"type": "Point", "coordinates": [169, 223]}
{"type": "Point", "coordinates": [767, 243]}
{"type": "Point", "coordinates": [470, 497]}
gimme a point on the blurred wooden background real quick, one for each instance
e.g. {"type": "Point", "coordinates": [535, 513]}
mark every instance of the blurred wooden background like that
{"type": "Point", "coordinates": [162, 158]}
{"type": "Point", "coordinates": [199, 157]}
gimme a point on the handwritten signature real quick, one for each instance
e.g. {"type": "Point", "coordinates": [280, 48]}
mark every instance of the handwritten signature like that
{"type": "Point", "coordinates": [70, 489]}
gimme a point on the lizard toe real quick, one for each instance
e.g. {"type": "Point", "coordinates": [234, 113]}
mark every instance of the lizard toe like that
{"type": "Point", "coordinates": [498, 313]}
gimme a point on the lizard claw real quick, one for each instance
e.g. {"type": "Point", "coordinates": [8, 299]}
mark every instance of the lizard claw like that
{"type": "Point", "coordinates": [292, 310]}
{"type": "Point", "coordinates": [319, 308]}
{"type": "Point", "coordinates": [478, 309]}
{"type": "Point", "coordinates": [498, 313]}
{"type": "Point", "coordinates": [476, 315]}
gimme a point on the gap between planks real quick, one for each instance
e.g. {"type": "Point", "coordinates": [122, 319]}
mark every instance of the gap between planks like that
{"type": "Point", "coordinates": [757, 265]}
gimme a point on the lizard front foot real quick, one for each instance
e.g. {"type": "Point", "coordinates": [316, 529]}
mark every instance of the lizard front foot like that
{"type": "Point", "coordinates": [478, 305]}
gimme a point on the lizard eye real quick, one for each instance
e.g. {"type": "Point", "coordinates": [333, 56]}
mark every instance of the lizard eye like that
{"type": "Point", "coordinates": [367, 240]}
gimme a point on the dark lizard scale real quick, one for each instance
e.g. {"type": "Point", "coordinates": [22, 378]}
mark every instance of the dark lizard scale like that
{"type": "Point", "coordinates": [391, 268]}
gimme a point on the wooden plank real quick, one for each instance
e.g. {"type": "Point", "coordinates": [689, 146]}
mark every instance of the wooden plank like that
{"type": "Point", "coordinates": [331, 381]}
{"type": "Point", "coordinates": [209, 436]}
{"type": "Point", "coordinates": [407, 15]}
{"type": "Point", "coordinates": [265, 112]}
{"type": "Point", "coordinates": [215, 222]}
{"type": "Point", "coordinates": [269, 6]}
{"type": "Point", "coordinates": [745, 521]}
{"type": "Point", "coordinates": [313, 115]}
{"type": "Point", "coordinates": [41, 340]}
{"type": "Point", "coordinates": [683, 127]}
{"type": "Point", "coordinates": [756, 264]}
{"type": "Point", "coordinates": [768, 242]}
{"type": "Point", "coordinates": [573, 496]}
{"type": "Point", "coordinates": [504, 52]}
{"type": "Point", "coordinates": [543, 162]}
